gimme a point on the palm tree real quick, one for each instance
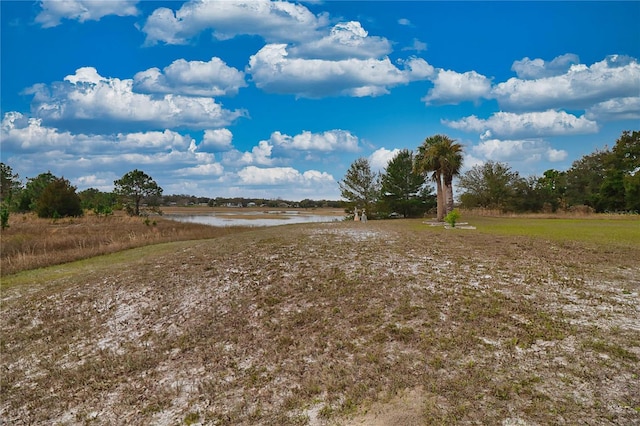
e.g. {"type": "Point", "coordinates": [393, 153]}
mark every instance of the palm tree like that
{"type": "Point", "coordinates": [451, 163]}
{"type": "Point", "coordinates": [427, 161]}
{"type": "Point", "coordinates": [442, 157]}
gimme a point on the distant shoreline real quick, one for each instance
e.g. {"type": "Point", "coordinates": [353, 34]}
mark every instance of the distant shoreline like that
{"type": "Point", "coordinates": [191, 210]}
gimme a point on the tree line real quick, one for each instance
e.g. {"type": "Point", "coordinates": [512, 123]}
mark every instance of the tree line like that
{"type": "Point", "coordinates": [607, 180]}
{"type": "Point", "coordinates": [136, 192]}
{"type": "Point", "coordinates": [50, 196]}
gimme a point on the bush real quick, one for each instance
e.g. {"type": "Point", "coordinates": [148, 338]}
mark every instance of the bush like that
{"type": "Point", "coordinates": [59, 199]}
{"type": "Point", "coordinates": [452, 217]}
{"type": "Point", "coordinates": [102, 210]}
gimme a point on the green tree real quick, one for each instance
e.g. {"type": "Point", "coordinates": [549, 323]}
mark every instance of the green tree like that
{"type": "Point", "coordinates": [606, 179]}
{"type": "Point", "coordinates": [101, 203]}
{"type": "Point", "coordinates": [611, 196]}
{"type": "Point", "coordinates": [584, 179]}
{"type": "Point", "coordinates": [490, 185]}
{"type": "Point", "coordinates": [33, 189]}
{"type": "Point", "coordinates": [552, 187]}
{"type": "Point", "coordinates": [632, 191]}
{"type": "Point", "coordinates": [623, 161]}
{"type": "Point", "coordinates": [527, 195]}
{"type": "Point", "coordinates": [442, 157]}
{"type": "Point", "coordinates": [58, 199]}
{"type": "Point", "coordinates": [427, 161]}
{"type": "Point", "coordinates": [360, 186]}
{"type": "Point", "coordinates": [10, 186]}
{"type": "Point", "coordinates": [307, 203]}
{"type": "Point", "coordinates": [402, 189]}
{"type": "Point", "coordinates": [10, 189]}
{"type": "Point", "coordinates": [134, 188]}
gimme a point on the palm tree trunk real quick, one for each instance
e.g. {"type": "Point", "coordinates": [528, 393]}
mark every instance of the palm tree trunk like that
{"type": "Point", "coordinates": [448, 190]}
{"type": "Point", "coordinates": [440, 198]}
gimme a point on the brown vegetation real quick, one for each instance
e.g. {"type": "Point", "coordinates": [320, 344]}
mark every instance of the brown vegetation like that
{"type": "Point", "coordinates": [31, 242]}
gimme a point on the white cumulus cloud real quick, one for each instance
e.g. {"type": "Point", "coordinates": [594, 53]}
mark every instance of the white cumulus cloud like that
{"type": "Point", "coordinates": [530, 124]}
{"type": "Point", "coordinates": [166, 140]}
{"type": "Point", "coordinates": [556, 155]}
{"type": "Point", "coordinates": [379, 159]}
{"type": "Point", "coordinates": [253, 175]}
{"type": "Point", "coordinates": [331, 140]}
{"type": "Point", "coordinates": [304, 56]}
{"type": "Point", "coordinates": [96, 160]}
{"type": "Point", "coordinates": [451, 87]}
{"type": "Point", "coordinates": [273, 71]}
{"type": "Point", "coordinates": [25, 134]}
{"type": "Point", "coordinates": [87, 96]}
{"type": "Point", "coordinates": [83, 10]}
{"type": "Point", "coordinates": [216, 140]}
{"type": "Point", "coordinates": [527, 69]}
{"type": "Point", "coordinates": [345, 40]}
{"type": "Point", "coordinates": [518, 150]}
{"type": "Point", "coordinates": [615, 109]}
{"type": "Point", "coordinates": [211, 169]}
{"type": "Point", "coordinates": [274, 21]}
{"type": "Point", "coordinates": [259, 154]}
{"type": "Point", "coordinates": [580, 87]}
{"type": "Point", "coordinates": [100, 181]}
{"type": "Point", "coordinates": [195, 78]}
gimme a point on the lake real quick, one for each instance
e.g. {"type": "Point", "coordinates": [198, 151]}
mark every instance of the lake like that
{"type": "Point", "coordinates": [254, 218]}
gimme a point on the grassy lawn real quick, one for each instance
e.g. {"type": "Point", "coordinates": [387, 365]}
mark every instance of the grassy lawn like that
{"type": "Point", "coordinates": [388, 322]}
{"type": "Point", "coordinates": [620, 230]}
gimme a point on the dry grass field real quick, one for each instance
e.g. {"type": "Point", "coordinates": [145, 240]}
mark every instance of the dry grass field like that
{"type": "Point", "coordinates": [383, 323]}
{"type": "Point", "coordinates": [31, 243]}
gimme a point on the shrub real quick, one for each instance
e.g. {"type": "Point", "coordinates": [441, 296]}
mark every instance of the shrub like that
{"type": "Point", "coordinates": [58, 199]}
{"type": "Point", "coordinates": [452, 217]}
{"type": "Point", "coordinates": [102, 210]}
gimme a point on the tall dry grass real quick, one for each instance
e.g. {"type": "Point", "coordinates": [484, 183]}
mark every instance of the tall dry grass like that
{"type": "Point", "coordinates": [575, 212]}
{"type": "Point", "coordinates": [31, 242]}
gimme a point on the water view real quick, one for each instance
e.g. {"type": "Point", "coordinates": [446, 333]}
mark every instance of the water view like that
{"type": "Point", "coordinates": [267, 218]}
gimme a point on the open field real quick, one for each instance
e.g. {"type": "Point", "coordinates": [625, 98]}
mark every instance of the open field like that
{"type": "Point", "coordinates": [390, 322]}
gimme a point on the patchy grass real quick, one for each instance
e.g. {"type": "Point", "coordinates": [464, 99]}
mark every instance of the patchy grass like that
{"type": "Point", "coordinates": [92, 264]}
{"type": "Point", "coordinates": [391, 322]}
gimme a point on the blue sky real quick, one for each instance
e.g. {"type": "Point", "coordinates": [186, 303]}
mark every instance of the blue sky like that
{"type": "Point", "coordinates": [277, 99]}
